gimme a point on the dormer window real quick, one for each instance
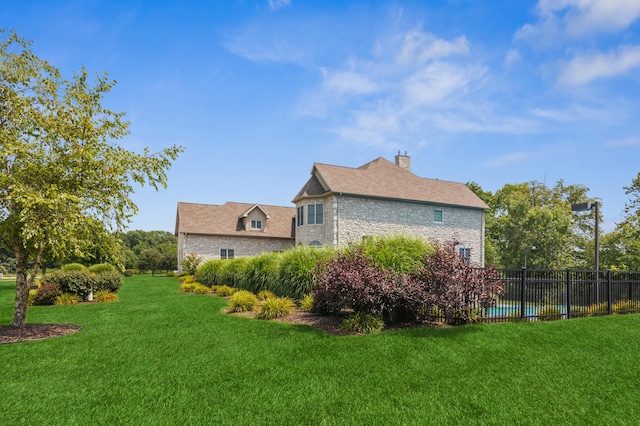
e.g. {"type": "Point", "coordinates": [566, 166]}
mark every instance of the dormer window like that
{"type": "Point", "coordinates": [256, 224]}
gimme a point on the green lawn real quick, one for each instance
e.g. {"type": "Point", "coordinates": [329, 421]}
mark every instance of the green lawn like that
{"type": "Point", "coordinates": [162, 357]}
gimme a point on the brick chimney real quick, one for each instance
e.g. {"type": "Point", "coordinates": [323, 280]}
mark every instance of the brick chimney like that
{"type": "Point", "coordinates": [403, 161]}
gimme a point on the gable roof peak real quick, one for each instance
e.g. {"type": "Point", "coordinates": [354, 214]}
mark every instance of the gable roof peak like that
{"type": "Point", "coordinates": [252, 208]}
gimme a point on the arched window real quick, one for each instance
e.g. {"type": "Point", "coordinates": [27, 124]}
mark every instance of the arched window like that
{"type": "Point", "coordinates": [315, 244]}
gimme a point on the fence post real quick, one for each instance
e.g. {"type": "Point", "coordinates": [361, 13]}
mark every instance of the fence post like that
{"type": "Point", "coordinates": [568, 294]}
{"type": "Point", "coordinates": [609, 291]}
{"type": "Point", "coordinates": [523, 293]}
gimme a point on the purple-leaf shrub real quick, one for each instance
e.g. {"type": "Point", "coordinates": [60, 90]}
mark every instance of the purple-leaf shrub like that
{"type": "Point", "coordinates": [351, 280]}
{"type": "Point", "coordinates": [445, 282]}
{"type": "Point", "coordinates": [456, 288]}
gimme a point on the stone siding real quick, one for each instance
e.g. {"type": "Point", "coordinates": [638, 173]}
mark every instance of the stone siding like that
{"type": "Point", "coordinates": [348, 219]}
{"type": "Point", "coordinates": [208, 247]}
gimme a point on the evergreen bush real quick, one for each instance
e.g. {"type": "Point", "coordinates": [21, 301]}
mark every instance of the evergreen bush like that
{"type": "Point", "coordinates": [108, 281]}
{"type": "Point", "coordinates": [72, 282]}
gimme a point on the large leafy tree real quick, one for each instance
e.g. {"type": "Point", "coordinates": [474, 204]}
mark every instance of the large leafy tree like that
{"type": "Point", "coordinates": [62, 177]}
{"type": "Point", "coordinates": [621, 248]}
{"type": "Point", "coordinates": [535, 215]}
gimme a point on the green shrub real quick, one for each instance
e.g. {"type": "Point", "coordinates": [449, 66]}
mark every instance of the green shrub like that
{"type": "Point", "coordinates": [67, 299]}
{"type": "Point", "coordinates": [108, 281]}
{"type": "Point", "coordinates": [242, 301]}
{"type": "Point", "coordinates": [275, 307]}
{"type": "Point", "coordinates": [47, 294]}
{"type": "Point", "coordinates": [363, 323]}
{"type": "Point", "coordinates": [225, 290]}
{"type": "Point", "coordinates": [306, 303]}
{"type": "Point", "coordinates": [101, 267]}
{"type": "Point", "coordinates": [265, 294]}
{"type": "Point", "coordinates": [73, 267]}
{"type": "Point", "coordinates": [104, 296]}
{"type": "Point", "coordinates": [130, 272]}
{"type": "Point", "coordinates": [72, 282]}
{"type": "Point", "coordinates": [171, 274]}
{"type": "Point", "coordinates": [32, 297]}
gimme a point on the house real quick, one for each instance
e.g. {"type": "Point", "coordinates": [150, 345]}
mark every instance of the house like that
{"type": "Point", "coordinates": [233, 229]}
{"type": "Point", "coordinates": [339, 205]}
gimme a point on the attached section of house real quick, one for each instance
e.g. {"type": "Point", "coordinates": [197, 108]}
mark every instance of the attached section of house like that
{"type": "Point", "coordinates": [339, 205]}
{"type": "Point", "coordinates": [233, 229]}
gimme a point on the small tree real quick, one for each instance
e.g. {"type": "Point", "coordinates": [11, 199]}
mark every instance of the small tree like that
{"type": "Point", "coordinates": [62, 179]}
{"type": "Point", "coordinates": [150, 260]}
{"type": "Point", "coordinates": [190, 263]}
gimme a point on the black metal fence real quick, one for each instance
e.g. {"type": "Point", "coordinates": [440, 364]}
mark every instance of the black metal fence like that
{"type": "Point", "coordinates": [538, 295]}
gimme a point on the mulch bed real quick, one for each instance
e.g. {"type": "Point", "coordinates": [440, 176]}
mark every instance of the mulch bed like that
{"type": "Point", "coordinates": [11, 334]}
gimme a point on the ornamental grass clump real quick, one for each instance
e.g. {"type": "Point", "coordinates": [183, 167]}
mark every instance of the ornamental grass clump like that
{"type": "Point", "coordinates": [265, 294]}
{"type": "Point", "coordinates": [67, 299]}
{"type": "Point", "coordinates": [102, 267]}
{"type": "Point", "coordinates": [105, 296]}
{"type": "Point", "coordinates": [275, 307]}
{"type": "Point", "coordinates": [225, 290]}
{"type": "Point", "coordinates": [73, 267]}
{"type": "Point", "coordinates": [549, 313]}
{"type": "Point", "coordinates": [194, 287]}
{"type": "Point", "coordinates": [363, 323]}
{"type": "Point", "coordinates": [242, 301]}
{"type": "Point", "coordinates": [306, 303]}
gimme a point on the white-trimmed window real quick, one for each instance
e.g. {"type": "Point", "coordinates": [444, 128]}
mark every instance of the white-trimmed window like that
{"type": "Point", "coordinates": [256, 224]}
{"type": "Point", "coordinates": [465, 254]}
{"type": "Point", "coordinates": [300, 216]}
{"type": "Point", "coordinates": [315, 214]}
{"type": "Point", "coordinates": [227, 253]}
{"type": "Point", "coordinates": [437, 216]}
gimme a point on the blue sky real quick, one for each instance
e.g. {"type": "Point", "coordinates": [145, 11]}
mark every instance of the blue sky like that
{"type": "Point", "coordinates": [258, 90]}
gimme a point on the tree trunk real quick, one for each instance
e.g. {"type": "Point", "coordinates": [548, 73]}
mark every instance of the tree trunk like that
{"type": "Point", "coordinates": [22, 289]}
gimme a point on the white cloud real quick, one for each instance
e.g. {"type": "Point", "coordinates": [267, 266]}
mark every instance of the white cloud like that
{"type": "Point", "coordinates": [278, 4]}
{"type": "Point", "coordinates": [438, 82]}
{"type": "Point", "coordinates": [624, 142]}
{"type": "Point", "coordinates": [586, 68]}
{"type": "Point", "coordinates": [512, 57]}
{"type": "Point", "coordinates": [420, 47]}
{"type": "Point", "coordinates": [573, 19]}
{"type": "Point", "coordinates": [507, 160]}
{"type": "Point", "coordinates": [348, 82]}
{"type": "Point", "coordinates": [409, 84]}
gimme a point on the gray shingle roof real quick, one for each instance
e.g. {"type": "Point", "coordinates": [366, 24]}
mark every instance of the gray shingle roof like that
{"type": "Point", "coordinates": [383, 179]}
{"type": "Point", "coordinates": [209, 219]}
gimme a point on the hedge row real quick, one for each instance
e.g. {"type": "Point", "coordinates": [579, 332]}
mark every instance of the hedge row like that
{"type": "Point", "coordinates": [292, 273]}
